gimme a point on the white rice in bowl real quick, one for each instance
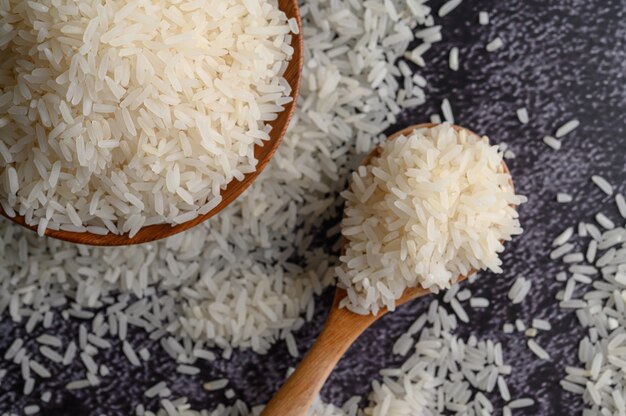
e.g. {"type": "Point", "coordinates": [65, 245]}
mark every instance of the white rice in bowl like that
{"type": "Point", "coordinates": [431, 206]}
{"type": "Point", "coordinates": [123, 114]}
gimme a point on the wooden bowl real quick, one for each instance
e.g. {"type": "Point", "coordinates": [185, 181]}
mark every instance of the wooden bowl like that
{"type": "Point", "coordinates": [262, 153]}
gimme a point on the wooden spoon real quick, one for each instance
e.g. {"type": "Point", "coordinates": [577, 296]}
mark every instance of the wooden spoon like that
{"type": "Point", "coordinates": [263, 155]}
{"type": "Point", "coordinates": [342, 328]}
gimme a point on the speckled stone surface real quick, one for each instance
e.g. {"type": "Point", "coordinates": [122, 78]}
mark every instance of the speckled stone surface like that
{"type": "Point", "coordinates": [562, 59]}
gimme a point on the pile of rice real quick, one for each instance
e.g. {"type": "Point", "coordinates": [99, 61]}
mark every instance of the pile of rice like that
{"type": "Point", "coordinates": [245, 279]}
{"type": "Point", "coordinates": [431, 206]}
{"type": "Point", "coordinates": [123, 114]}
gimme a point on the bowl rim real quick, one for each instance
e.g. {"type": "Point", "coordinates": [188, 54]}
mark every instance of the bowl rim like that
{"type": "Point", "coordinates": [233, 190]}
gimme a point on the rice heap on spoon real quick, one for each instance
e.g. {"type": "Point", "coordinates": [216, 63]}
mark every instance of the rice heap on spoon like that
{"type": "Point", "coordinates": [120, 114]}
{"type": "Point", "coordinates": [432, 206]}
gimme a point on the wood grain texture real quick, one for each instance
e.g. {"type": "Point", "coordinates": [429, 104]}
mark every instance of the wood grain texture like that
{"type": "Point", "coordinates": [262, 153]}
{"type": "Point", "coordinates": [342, 328]}
{"type": "Point", "coordinates": [299, 391]}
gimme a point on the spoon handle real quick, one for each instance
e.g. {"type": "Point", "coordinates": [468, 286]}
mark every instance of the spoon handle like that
{"type": "Point", "coordinates": [296, 396]}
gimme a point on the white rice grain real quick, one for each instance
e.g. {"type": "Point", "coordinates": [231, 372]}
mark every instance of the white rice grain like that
{"type": "Point", "coordinates": [483, 18]}
{"type": "Point", "coordinates": [479, 303]}
{"type": "Point", "coordinates": [522, 115]}
{"type": "Point", "coordinates": [563, 198]}
{"type": "Point", "coordinates": [448, 6]}
{"type": "Point", "coordinates": [453, 60]}
{"type": "Point", "coordinates": [604, 221]}
{"type": "Point", "coordinates": [494, 45]}
{"type": "Point", "coordinates": [552, 142]}
{"type": "Point", "coordinates": [521, 403]}
{"type": "Point", "coordinates": [446, 110]}
{"type": "Point", "coordinates": [215, 384]}
{"type": "Point", "coordinates": [130, 354]}
{"type": "Point", "coordinates": [541, 324]}
{"type": "Point", "coordinates": [603, 184]}
{"type": "Point", "coordinates": [567, 128]}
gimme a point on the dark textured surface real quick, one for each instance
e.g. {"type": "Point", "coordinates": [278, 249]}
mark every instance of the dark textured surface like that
{"type": "Point", "coordinates": [561, 59]}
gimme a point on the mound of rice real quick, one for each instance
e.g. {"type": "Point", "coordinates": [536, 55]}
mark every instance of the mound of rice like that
{"type": "Point", "coordinates": [122, 114]}
{"type": "Point", "coordinates": [432, 206]}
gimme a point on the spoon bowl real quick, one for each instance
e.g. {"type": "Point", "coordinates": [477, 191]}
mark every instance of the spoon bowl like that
{"type": "Point", "coordinates": [263, 154]}
{"type": "Point", "coordinates": [341, 329]}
